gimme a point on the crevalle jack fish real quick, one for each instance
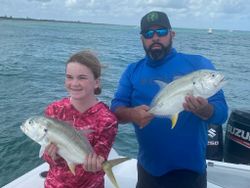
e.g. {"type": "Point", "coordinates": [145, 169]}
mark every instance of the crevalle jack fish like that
{"type": "Point", "coordinates": [169, 100]}
{"type": "Point", "coordinates": [73, 146]}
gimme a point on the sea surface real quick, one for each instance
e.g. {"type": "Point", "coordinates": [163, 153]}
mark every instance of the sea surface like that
{"type": "Point", "coordinates": [32, 64]}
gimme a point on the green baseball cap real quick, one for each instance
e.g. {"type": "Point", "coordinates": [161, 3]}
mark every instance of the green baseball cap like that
{"type": "Point", "coordinates": [154, 18]}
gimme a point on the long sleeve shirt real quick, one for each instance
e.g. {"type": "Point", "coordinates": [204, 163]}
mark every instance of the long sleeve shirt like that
{"type": "Point", "coordinates": [103, 126]}
{"type": "Point", "coordinates": [162, 149]}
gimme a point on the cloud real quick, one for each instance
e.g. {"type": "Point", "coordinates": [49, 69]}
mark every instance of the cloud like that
{"type": "Point", "coordinates": [182, 13]}
{"type": "Point", "coordinates": [44, 1]}
{"type": "Point", "coordinates": [233, 6]}
{"type": "Point", "coordinates": [70, 3]}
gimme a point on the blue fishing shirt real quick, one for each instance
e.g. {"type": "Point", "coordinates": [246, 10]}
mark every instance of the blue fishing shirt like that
{"type": "Point", "coordinates": [162, 149]}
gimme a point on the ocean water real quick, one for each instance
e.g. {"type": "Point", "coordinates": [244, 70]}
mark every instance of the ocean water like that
{"type": "Point", "coordinates": [32, 63]}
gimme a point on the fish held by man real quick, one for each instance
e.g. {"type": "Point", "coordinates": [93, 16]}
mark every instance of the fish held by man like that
{"type": "Point", "coordinates": [168, 102]}
{"type": "Point", "coordinates": [72, 145]}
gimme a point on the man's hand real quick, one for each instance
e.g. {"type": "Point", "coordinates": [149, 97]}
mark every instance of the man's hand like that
{"type": "Point", "coordinates": [141, 116]}
{"type": "Point", "coordinates": [138, 115]}
{"type": "Point", "coordinates": [198, 106]}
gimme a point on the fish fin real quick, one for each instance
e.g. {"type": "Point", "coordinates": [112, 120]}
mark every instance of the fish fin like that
{"type": "Point", "coordinates": [174, 120]}
{"type": "Point", "coordinates": [72, 167]}
{"type": "Point", "coordinates": [107, 167]}
{"type": "Point", "coordinates": [160, 83]}
{"type": "Point", "coordinates": [44, 143]}
{"type": "Point", "coordinates": [177, 77]}
{"type": "Point", "coordinates": [41, 152]}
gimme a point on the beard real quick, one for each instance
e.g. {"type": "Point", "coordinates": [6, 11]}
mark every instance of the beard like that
{"type": "Point", "coordinates": [159, 53]}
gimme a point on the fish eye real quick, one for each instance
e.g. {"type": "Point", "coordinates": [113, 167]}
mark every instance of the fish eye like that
{"type": "Point", "coordinates": [194, 83]}
{"type": "Point", "coordinates": [45, 130]}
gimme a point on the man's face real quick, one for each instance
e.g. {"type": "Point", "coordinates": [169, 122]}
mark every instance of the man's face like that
{"type": "Point", "coordinates": [158, 46]}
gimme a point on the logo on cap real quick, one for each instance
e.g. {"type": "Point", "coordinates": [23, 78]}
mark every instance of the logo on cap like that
{"type": "Point", "coordinates": [152, 17]}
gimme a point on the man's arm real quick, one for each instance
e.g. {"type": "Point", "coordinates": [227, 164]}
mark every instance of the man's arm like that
{"type": "Point", "coordinates": [214, 111]}
{"type": "Point", "coordinates": [138, 115]}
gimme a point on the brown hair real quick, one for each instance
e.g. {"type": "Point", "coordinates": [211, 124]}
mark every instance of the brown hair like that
{"type": "Point", "coordinates": [88, 59]}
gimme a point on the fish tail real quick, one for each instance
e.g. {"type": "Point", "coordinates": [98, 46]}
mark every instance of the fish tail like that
{"type": "Point", "coordinates": [107, 167]}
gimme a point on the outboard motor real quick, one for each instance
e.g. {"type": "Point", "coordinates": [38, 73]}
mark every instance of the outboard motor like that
{"type": "Point", "coordinates": [237, 139]}
{"type": "Point", "coordinates": [215, 143]}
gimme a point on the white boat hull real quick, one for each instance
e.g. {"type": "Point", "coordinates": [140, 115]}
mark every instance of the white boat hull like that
{"type": "Point", "coordinates": [220, 175]}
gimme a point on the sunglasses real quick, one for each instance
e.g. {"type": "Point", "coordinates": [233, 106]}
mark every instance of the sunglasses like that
{"type": "Point", "coordinates": [160, 33]}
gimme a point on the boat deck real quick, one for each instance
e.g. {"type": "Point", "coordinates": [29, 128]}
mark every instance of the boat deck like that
{"type": "Point", "coordinates": [220, 175]}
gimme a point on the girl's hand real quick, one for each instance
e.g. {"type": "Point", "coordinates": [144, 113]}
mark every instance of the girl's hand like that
{"type": "Point", "coordinates": [51, 150]}
{"type": "Point", "coordinates": [93, 162]}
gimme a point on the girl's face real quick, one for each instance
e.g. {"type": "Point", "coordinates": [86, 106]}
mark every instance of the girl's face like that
{"type": "Point", "coordinates": [80, 82]}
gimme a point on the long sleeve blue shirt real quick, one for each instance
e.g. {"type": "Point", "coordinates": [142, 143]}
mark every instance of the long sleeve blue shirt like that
{"type": "Point", "coordinates": [162, 149]}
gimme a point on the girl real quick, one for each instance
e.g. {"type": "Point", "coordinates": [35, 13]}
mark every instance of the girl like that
{"type": "Point", "coordinates": [83, 110]}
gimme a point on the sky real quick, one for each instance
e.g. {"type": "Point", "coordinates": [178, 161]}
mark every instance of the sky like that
{"type": "Point", "coordinates": [200, 14]}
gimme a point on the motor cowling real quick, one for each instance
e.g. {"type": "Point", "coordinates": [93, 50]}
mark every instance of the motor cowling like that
{"type": "Point", "coordinates": [237, 138]}
{"type": "Point", "coordinates": [215, 143]}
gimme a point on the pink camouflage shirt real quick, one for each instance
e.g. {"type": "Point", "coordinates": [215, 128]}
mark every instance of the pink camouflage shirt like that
{"type": "Point", "coordinates": [104, 125]}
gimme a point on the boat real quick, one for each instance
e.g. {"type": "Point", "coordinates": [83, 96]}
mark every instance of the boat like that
{"type": "Point", "coordinates": [232, 172]}
{"type": "Point", "coordinates": [210, 30]}
{"type": "Point", "coordinates": [220, 175]}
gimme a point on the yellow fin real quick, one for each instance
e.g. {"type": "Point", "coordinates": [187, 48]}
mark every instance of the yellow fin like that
{"type": "Point", "coordinates": [72, 168]}
{"type": "Point", "coordinates": [174, 120]}
{"type": "Point", "coordinates": [107, 167]}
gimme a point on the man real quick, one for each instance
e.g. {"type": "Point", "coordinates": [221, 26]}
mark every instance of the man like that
{"type": "Point", "coordinates": [167, 157]}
